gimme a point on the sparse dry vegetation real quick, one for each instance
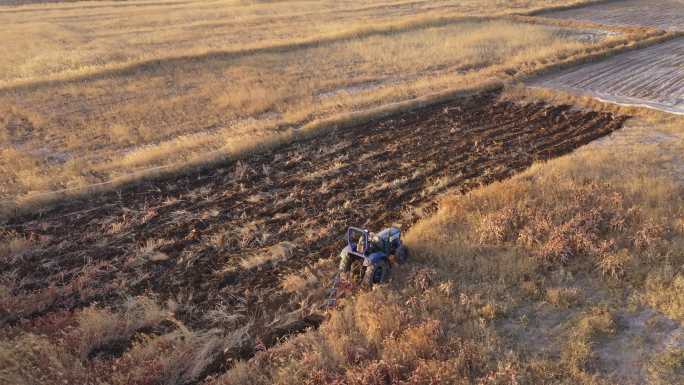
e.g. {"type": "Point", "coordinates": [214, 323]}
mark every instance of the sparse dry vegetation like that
{"type": "Point", "coordinates": [568, 273]}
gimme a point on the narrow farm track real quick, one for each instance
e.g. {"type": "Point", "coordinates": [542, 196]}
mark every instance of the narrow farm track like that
{"type": "Point", "coordinates": [306, 193]}
{"type": "Point", "coordinates": [651, 77]}
{"type": "Point", "coordinates": [660, 14]}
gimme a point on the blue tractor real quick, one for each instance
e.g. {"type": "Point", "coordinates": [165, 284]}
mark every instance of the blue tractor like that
{"type": "Point", "coordinates": [366, 258]}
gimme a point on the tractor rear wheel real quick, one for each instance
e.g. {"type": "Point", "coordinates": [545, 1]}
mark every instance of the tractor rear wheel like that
{"type": "Point", "coordinates": [402, 254]}
{"type": "Point", "coordinates": [376, 273]}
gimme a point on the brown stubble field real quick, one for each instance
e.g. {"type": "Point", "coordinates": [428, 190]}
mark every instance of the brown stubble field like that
{"type": "Point", "coordinates": [546, 229]}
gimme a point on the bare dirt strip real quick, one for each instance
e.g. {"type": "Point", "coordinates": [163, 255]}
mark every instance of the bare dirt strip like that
{"type": "Point", "coordinates": [660, 14]}
{"type": "Point", "coordinates": [651, 77]}
{"type": "Point", "coordinates": [184, 238]}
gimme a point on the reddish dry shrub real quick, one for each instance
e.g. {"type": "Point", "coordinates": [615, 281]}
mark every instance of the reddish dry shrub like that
{"type": "Point", "coordinates": [500, 226]}
{"type": "Point", "coordinates": [93, 282]}
{"type": "Point", "coordinates": [434, 372]}
{"type": "Point", "coordinates": [558, 248]}
{"type": "Point", "coordinates": [564, 297]}
{"type": "Point", "coordinates": [373, 373]}
{"type": "Point", "coordinates": [505, 374]}
{"type": "Point", "coordinates": [377, 316]}
{"type": "Point", "coordinates": [467, 357]}
{"type": "Point", "coordinates": [649, 236]}
{"type": "Point", "coordinates": [102, 330]}
{"type": "Point", "coordinates": [13, 247]}
{"type": "Point", "coordinates": [580, 236]}
{"type": "Point", "coordinates": [322, 376]}
{"type": "Point", "coordinates": [176, 358]}
{"type": "Point", "coordinates": [422, 278]}
{"type": "Point", "coordinates": [614, 265]}
{"type": "Point", "coordinates": [17, 305]}
{"type": "Point", "coordinates": [51, 325]}
{"type": "Point", "coordinates": [592, 220]}
{"type": "Point", "coordinates": [531, 289]}
{"type": "Point", "coordinates": [33, 360]}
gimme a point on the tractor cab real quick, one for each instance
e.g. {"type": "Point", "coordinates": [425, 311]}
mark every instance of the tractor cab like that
{"type": "Point", "coordinates": [388, 240]}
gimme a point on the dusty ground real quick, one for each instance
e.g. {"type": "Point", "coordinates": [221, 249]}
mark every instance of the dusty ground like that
{"type": "Point", "coordinates": [187, 239]}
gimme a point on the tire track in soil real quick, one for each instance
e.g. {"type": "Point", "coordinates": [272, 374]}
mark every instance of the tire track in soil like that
{"type": "Point", "coordinates": [307, 193]}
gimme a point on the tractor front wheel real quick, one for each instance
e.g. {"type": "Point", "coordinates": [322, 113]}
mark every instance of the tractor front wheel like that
{"type": "Point", "coordinates": [345, 261]}
{"type": "Point", "coordinates": [376, 273]}
{"type": "Point", "coordinates": [356, 271]}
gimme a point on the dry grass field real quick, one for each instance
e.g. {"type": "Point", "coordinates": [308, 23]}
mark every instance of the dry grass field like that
{"type": "Point", "coordinates": [76, 113]}
{"type": "Point", "coordinates": [58, 40]}
{"type": "Point", "coordinates": [546, 230]}
{"type": "Point", "coordinates": [83, 132]}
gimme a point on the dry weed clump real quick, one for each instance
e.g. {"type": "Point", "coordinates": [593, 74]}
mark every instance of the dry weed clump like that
{"type": "Point", "coordinates": [500, 226]}
{"type": "Point", "coordinates": [16, 304]}
{"type": "Point", "coordinates": [126, 346]}
{"type": "Point", "coordinates": [564, 297]}
{"type": "Point", "coordinates": [24, 299]}
{"type": "Point", "coordinates": [378, 337]}
{"type": "Point", "coordinates": [615, 264]}
{"type": "Point", "coordinates": [103, 331]}
{"type": "Point", "coordinates": [663, 290]}
{"type": "Point", "coordinates": [33, 360]}
{"type": "Point", "coordinates": [297, 283]}
{"type": "Point", "coordinates": [667, 367]}
{"type": "Point", "coordinates": [274, 254]}
{"type": "Point", "coordinates": [578, 354]}
{"type": "Point", "coordinates": [177, 358]}
{"type": "Point", "coordinates": [13, 247]}
{"type": "Point", "coordinates": [532, 289]}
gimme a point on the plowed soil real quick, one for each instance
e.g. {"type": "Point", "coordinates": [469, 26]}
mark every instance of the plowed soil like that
{"type": "Point", "coordinates": [651, 77]}
{"type": "Point", "coordinates": [184, 238]}
{"type": "Point", "coordinates": [660, 14]}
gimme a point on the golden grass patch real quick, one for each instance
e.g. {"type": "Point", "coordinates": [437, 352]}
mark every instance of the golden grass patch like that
{"type": "Point", "coordinates": [57, 40]}
{"type": "Point", "coordinates": [169, 114]}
